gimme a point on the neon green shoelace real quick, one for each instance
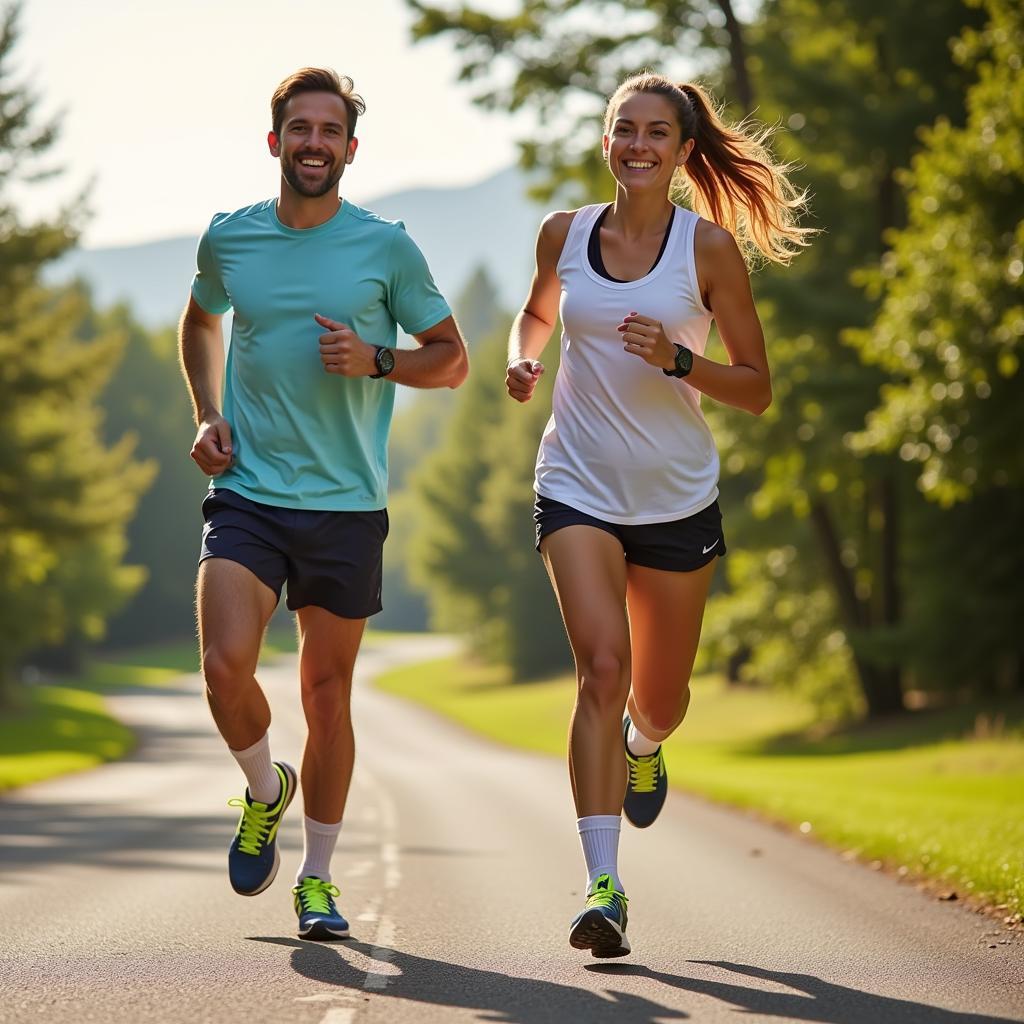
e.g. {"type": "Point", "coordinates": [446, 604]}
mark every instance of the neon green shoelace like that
{"type": "Point", "coordinates": [644, 772]}
{"type": "Point", "coordinates": [315, 895]}
{"type": "Point", "coordinates": [254, 827]}
{"type": "Point", "coordinates": [605, 897]}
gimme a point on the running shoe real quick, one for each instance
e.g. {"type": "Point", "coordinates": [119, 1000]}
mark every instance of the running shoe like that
{"type": "Point", "coordinates": [601, 927]}
{"type": "Point", "coordinates": [318, 916]}
{"type": "Point", "coordinates": [647, 786]}
{"type": "Point", "coordinates": [253, 857]}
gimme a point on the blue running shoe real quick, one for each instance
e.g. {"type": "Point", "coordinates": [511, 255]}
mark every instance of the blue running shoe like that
{"type": "Point", "coordinates": [647, 786]}
{"type": "Point", "coordinates": [318, 916]}
{"type": "Point", "coordinates": [253, 858]}
{"type": "Point", "coordinates": [601, 927]}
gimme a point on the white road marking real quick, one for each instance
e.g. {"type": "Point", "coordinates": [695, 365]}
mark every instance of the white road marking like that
{"type": "Point", "coordinates": [339, 1015]}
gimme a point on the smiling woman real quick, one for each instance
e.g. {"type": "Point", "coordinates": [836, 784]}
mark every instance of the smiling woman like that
{"type": "Point", "coordinates": [627, 517]}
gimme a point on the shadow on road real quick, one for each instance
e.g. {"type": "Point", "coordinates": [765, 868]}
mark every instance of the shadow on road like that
{"type": "Point", "coordinates": [504, 999]}
{"type": "Point", "coordinates": [518, 1000]}
{"type": "Point", "coordinates": [821, 1000]}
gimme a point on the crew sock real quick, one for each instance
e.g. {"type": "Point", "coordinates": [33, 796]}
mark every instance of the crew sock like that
{"type": "Point", "coordinates": [599, 837]}
{"type": "Point", "coordinates": [260, 773]}
{"type": "Point", "coordinates": [319, 843]}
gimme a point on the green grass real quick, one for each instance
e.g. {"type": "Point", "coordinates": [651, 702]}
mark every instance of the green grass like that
{"type": "Point", "coordinates": [67, 727]}
{"type": "Point", "coordinates": [57, 730]}
{"type": "Point", "coordinates": [923, 794]}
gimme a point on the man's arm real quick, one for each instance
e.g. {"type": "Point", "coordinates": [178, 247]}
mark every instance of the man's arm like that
{"type": "Point", "coordinates": [201, 350]}
{"type": "Point", "coordinates": [441, 361]}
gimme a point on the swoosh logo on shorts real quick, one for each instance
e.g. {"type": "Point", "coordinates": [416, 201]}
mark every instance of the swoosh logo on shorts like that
{"type": "Point", "coordinates": [710, 546]}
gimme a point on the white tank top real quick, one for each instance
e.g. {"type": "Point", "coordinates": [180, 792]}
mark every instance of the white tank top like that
{"type": "Point", "coordinates": [625, 443]}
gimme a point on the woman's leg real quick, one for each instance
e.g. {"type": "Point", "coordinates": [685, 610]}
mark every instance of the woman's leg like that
{"type": "Point", "coordinates": [666, 610]}
{"type": "Point", "coordinates": [588, 573]}
{"type": "Point", "coordinates": [665, 614]}
{"type": "Point", "coordinates": [587, 569]}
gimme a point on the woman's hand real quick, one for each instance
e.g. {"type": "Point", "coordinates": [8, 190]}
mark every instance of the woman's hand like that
{"type": "Point", "coordinates": [645, 338]}
{"type": "Point", "coordinates": [521, 378]}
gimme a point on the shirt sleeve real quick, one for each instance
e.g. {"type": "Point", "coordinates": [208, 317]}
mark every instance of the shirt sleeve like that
{"type": "Point", "coordinates": [413, 298]}
{"type": "Point", "coordinates": [207, 285]}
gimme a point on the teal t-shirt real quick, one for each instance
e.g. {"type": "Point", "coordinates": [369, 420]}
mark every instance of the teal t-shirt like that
{"type": "Point", "coordinates": [304, 438]}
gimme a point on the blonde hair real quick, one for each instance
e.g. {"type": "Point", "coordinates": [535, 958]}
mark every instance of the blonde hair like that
{"type": "Point", "coordinates": [730, 177]}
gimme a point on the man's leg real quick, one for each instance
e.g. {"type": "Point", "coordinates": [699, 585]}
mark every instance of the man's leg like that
{"type": "Point", "coordinates": [234, 607]}
{"type": "Point", "coordinates": [328, 645]}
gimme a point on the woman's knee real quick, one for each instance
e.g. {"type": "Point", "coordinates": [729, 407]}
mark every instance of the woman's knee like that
{"type": "Point", "coordinates": [660, 714]}
{"type": "Point", "coordinates": [603, 678]}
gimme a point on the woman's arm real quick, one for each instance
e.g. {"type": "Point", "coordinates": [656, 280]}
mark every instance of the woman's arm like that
{"type": "Point", "coordinates": [725, 288]}
{"type": "Point", "coordinates": [532, 328]}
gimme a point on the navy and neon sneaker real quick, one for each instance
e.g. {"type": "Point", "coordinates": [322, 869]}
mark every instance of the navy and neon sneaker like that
{"type": "Point", "coordinates": [253, 857]}
{"type": "Point", "coordinates": [318, 915]}
{"type": "Point", "coordinates": [601, 927]}
{"type": "Point", "coordinates": [647, 786]}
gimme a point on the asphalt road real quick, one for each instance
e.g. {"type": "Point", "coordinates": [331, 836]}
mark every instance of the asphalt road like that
{"type": "Point", "coordinates": [460, 871]}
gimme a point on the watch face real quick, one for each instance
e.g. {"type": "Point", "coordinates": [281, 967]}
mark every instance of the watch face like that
{"type": "Point", "coordinates": [385, 360]}
{"type": "Point", "coordinates": [684, 360]}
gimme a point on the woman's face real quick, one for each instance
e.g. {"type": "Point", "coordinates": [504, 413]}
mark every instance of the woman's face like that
{"type": "Point", "coordinates": [643, 146]}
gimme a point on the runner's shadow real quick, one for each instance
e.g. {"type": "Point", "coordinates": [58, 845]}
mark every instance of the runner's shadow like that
{"type": "Point", "coordinates": [821, 1001]}
{"type": "Point", "coordinates": [500, 998]}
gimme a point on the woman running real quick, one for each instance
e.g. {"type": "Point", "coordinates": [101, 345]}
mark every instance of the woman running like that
{"type": "Point", "coordinates": [627, 515]}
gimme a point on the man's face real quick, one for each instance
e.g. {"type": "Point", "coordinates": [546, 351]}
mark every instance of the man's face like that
{"type": "Point", "coordinates": [313, 146]}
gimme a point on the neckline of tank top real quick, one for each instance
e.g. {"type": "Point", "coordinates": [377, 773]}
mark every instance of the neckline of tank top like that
{"type": "Point", "coordinates": [596, 261]}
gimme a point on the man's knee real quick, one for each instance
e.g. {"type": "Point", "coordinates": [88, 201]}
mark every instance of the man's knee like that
{"type": "Point", "coordinates": [227, 668]}
{"type": "Point", "coordinates": [326, 696]}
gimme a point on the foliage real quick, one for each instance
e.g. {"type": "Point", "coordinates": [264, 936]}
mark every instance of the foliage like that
{"type": "Point", "coordinates": [950, 331]}
{"type": "Point", "coordinates": [564, 58]}
{"type": "Point", "coordinates": [838, 565]}
{"type": "Point", "coordinates": [65, 496]}
{"type": "Point", "coordinates": [472, 549]}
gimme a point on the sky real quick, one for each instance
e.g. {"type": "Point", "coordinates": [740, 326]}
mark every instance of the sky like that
{"type": "Point", "coordinates": [167, 105]}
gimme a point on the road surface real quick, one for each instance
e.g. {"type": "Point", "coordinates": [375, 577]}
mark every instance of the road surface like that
{"type": "Point", "coordinates": [460, 871]}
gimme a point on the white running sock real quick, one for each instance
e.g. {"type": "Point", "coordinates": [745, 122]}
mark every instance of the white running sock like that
{"type": "Point", "coordinates": [638, 744]}
{"type": "Point", "coordinates": [260, 773]}
{"type": "Point", "coordinates": [319, 847]}
{"type": "Point", "coordinates": [599, 837]}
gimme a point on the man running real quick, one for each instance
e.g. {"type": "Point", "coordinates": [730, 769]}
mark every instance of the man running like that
{"type": "Point", "coordinates": [294, 433]}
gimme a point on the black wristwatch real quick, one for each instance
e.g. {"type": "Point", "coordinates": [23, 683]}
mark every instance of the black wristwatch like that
{"type": "Point", "coordinates": [684, 362]}
{"type": "Point", "coordinates": [384, 361]}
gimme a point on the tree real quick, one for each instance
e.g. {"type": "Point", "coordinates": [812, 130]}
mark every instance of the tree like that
{"type": "Point", "coordinates": [949, 336]}
{"type": "Point", "coordinates": [65, 497]}
{"type": "Point", "coordinates": [564, 58]}
{"type": "Point", "coordinates": [853, 86]}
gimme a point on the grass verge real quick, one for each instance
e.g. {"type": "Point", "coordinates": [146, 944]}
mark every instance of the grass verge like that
{"type": "Point", "coordinates": [67, 727]}
{"type": "Point", "coordinates": [931, 795]}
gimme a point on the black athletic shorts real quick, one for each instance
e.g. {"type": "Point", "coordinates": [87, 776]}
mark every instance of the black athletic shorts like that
{"type": "Point", "coordinates": [678, 546]}
{"type": "Point", "coordinates": [329, 559]}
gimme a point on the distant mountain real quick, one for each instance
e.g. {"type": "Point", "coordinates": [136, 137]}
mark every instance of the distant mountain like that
{"type": "Point", "coordinates": [491, 224]}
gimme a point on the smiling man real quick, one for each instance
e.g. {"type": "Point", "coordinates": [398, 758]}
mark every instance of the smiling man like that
{"type": "Point", "coordinates": [293, 432]}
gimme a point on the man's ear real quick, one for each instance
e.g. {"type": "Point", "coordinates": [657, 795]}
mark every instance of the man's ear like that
{"type": "Point", "coordinates": [353, 145]}
{"type": "Point", "coordinates": [273, 144]}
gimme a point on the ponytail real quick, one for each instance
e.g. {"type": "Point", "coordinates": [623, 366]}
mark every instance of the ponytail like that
{"type": "Point", "coordinates": [730, 176]}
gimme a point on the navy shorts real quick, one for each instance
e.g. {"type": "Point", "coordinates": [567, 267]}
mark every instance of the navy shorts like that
{"type": "Point", "coordinates": [329, 559]}
{"type": "Point", "coordinates": [678, 546]}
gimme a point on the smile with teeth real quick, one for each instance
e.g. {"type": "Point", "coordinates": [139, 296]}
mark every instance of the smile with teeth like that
{"type": "Point", "coordinates": [312, 162]}
{"type": "Point", "coordinates": [639, 165]}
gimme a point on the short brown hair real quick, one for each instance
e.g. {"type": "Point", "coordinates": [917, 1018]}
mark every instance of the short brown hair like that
{"type": "Point", "coordinates": [317, 80]}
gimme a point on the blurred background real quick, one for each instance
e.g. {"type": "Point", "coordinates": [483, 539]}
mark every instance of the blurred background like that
{"type": "Point", "coordinates": [874, 514]}
{"type": "Point", "coordinates": [860, 674]}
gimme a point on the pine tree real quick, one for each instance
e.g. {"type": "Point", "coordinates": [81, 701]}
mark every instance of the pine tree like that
{"type": "Point", "coordinates": [65, 497]}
